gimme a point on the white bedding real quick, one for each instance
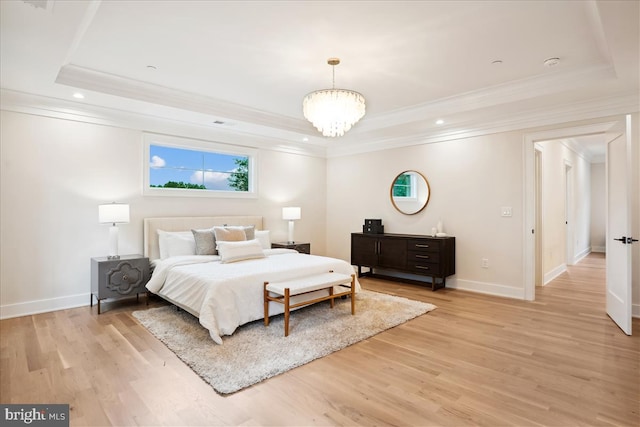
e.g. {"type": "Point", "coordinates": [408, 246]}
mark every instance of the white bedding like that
{"type": "Point", "coordinates": [225, 296]}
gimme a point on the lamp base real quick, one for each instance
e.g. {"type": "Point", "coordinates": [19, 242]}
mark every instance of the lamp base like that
{"type": "Point", "coordinates": [113, 242]}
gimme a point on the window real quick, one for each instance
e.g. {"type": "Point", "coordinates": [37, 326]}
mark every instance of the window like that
{"type": "Point", "coordinates": [182, 167]}
{"type": "Point", "coordinates": [404, 186]}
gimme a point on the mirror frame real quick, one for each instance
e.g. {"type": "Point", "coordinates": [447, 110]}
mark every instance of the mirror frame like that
{"type": "Point", "coordinates": [425, 202]}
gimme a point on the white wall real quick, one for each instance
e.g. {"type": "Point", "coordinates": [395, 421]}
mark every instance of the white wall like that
{"type": "Point", "coordinates": [470, 180]}
{"type": "Point", "coordinates": [598, 207]}
{"type": "Point", "coordinates": [55, 172]}
{"type": "Point", "coordinates": [556, 157]}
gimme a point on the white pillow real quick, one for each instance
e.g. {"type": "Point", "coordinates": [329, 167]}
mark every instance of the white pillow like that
{"type": "Point", "coordinates": [175, 243]}
{"type": "Point", "coordinates": [239, 251]}
{"type": "Point", "coordinates": [263, 237]}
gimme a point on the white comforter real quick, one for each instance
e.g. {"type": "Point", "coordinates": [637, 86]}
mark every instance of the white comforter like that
{"type": "Point", "coordinates": [225, 296]}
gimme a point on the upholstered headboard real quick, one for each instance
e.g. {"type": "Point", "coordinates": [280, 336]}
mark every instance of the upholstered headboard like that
{"type": "Point", "coordinates": [152, 225]}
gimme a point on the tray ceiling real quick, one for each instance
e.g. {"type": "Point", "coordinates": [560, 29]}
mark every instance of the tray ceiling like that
{"type": "Point", "coordinates": [249, 64]}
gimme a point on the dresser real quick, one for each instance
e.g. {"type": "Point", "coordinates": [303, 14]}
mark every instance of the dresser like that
{"type": "Point", "coordinates": [432, 257]}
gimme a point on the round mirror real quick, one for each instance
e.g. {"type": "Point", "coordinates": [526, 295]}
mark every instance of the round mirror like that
{"type": "Point", "coordinates": [410, 192]}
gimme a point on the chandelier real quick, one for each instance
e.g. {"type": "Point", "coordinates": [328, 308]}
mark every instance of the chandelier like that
{"type": "Point", "coordinates": [333, 111]}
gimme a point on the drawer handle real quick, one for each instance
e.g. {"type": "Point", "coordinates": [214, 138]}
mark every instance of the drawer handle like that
{"type": "Point", "coordinates": [423, 268]}
{"type": "Point", "coordinates": [423, 256]}
{"type": "Point", "coordinates": [422, 246]}
{"type": "Point", "coordinates": [125, 277]}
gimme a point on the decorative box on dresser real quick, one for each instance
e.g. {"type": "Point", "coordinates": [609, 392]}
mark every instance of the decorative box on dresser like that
{"type": "Point", "coordinates": [303, 248]}
{"type": "Point", "coordinates": [433, 257]}
{"type": "Point", "coordinates": [118, 277]}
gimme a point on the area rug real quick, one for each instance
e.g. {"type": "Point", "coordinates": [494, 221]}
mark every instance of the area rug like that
{"type": "Point", "coordinates": [255, 352]}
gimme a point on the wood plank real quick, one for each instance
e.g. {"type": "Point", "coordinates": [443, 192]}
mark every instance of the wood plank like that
{"type": "Point", "coordinates": [475, 360]}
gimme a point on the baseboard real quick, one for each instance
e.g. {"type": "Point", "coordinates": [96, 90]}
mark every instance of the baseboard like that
{"type": "Point", "coordinates": [43, 306]}
{"type": "Point", "coordinates": [599, 249]}
{"type": "Point", "coordinates": [579, 256]}
{"type": "Point", "coordinates": [635, 310]}
{"type": "Point", "coordinates": [548, 277]}
{"type": "Point", "coordinates": [486, 288]}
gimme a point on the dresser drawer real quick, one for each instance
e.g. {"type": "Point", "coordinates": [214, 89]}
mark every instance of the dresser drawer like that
{"type": "Point", "coordinates": [422, 257]}
{"type": "Point", "coordinates": [424, 245]}
{"type": "Point", "coordinates": [425, 268]}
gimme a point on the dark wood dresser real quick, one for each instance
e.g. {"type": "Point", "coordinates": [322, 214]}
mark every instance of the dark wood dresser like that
{"type": "Point", "coordinates": [433, 257]}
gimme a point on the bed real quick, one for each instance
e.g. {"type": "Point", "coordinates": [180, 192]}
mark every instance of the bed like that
{"type": "Point", "coordinates": [225, 290]}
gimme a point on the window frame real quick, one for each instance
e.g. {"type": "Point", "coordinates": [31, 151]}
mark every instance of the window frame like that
{"type": "Point", "coordinates": [412, 189]}
{"type": "Point", "coordinates": [202, 146]}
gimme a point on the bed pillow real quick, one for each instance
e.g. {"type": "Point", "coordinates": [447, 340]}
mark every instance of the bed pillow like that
{"type": "Point", "coordinates": [174, 236]}
{"type": "Point", "coordinates": [205, 241]}
{"type": "Point", "coordinates": [263, 237]}
{"type": "Point", "coordinates": [230, 234]}
{"type": "Point", "coordinates": [239, 251]}
{"type": "Point", "coordinates": [176, 243]}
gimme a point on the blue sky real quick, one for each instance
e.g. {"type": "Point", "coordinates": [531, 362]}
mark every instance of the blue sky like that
{"type": "Point", "coordinates": [196, 167]}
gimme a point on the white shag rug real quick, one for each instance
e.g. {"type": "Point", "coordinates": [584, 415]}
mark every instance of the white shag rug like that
{"type": "Point", "coordinates": [255, 352]}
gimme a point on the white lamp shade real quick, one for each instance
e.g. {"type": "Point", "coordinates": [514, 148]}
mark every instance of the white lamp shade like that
{"type": "Point", "coordinates": [113, 213]}
{"type": "Point", "coordinates": [291, 213]}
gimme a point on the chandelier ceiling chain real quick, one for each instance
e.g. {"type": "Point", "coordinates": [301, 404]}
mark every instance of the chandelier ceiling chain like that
{"type": "Point", "coordinates": [333, 111]}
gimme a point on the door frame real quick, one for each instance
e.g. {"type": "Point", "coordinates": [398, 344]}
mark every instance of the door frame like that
{"type": "Point", "coordinates": [529, 206]}
{"type": "Point", "coordinates": [568, 214]}
{"type": "Point", "coordinates": [539, 215]}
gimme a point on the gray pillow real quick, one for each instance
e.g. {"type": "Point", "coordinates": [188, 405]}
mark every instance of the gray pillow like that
{"type": "Point", "coordinates": [205, 242]}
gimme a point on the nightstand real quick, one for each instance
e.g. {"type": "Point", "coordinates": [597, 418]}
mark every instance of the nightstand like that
{"type": "Point", "coordinates": [303, 248]}
{"type": "Point", "coordinates": [118, 278]}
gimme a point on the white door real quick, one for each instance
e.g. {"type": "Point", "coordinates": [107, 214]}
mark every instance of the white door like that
{"type": "Point", "coordinates": [619, 228]}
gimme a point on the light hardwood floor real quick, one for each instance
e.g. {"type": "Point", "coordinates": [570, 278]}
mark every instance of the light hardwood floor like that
{"type": "Point", "coordinates": [476, 360]}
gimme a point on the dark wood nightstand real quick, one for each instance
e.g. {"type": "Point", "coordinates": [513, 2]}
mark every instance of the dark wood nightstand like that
{"type": "Point", "coordinates": [303, 248]}
{"type": "Point", "coordinates": [118, 278]}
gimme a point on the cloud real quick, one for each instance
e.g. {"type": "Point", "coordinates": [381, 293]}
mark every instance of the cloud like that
{"type": "Point", "coordinates": [212, 180]}
{"type": "Point", "coordinates": [157, 162]}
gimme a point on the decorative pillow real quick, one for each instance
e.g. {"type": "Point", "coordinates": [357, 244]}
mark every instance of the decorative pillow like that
{"type": "Point", "coordinates": [250, 232]}
{"type": "Point", "coordinates": [205, 242]}
{"type": "Point", "coordinates": [175, 242]}
{"type": "Point", "coordinates": [264, 238]}
{"type": "Point", "coordinates": [229, 234]}
{"type": "Point", "coordinates": [239, 251]}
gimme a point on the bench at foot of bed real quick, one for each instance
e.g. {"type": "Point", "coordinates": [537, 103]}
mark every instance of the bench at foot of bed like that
{"type": "Point", "coordinates": [281, 292]}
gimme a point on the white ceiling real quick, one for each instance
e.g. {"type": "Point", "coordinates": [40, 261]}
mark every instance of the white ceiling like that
{"type": "Point", "coordinates": [249, 64]}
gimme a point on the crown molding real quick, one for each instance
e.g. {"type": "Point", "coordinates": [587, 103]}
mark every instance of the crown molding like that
{"type": "Point", "coordinates": [270, 139]}
{"type": "Point", "coordinates": [491, 96]}
{"type": "Point", "coordinates": [85, 78]}
{"type": "Point", "coordinates": [25, 103]}
{"type": "Point", "coordinates": [583, 110]}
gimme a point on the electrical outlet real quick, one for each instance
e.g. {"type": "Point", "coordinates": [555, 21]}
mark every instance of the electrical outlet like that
{"type": "Point", "coordinates": [507, 211]}
{"type": "Point", "coordinates": [485, 263]}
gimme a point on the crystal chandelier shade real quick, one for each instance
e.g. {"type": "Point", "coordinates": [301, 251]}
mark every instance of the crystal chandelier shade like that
{"type": "Point", "coordinates": [333, 111]}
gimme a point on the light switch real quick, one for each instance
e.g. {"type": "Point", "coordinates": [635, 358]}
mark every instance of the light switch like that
{"type": "Point", "coordinates": [507, 211]}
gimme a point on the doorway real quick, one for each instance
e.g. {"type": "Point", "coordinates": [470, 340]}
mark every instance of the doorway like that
{"type": "Point", "coordinates": [534, 224]}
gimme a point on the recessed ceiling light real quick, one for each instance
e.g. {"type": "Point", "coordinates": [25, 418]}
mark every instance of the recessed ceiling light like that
{"type": "Point", "coordinates": [551, 62]}
{"type": "Point", "coordinates": [305, 139]}
{"type": "Point", "coordinates": [78, 95]}
{"type": "Point", "coordinates": [439, 122]}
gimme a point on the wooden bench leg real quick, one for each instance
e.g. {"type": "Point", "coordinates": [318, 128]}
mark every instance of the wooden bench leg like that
{"type": "Point", "coordinates": [331, 295]}
{"type": "Point", "coordinates": [266, 305]}
{"type": "Point", "coordinates": [353, 294]}
{"type": "Point", "coordinates": [286, 312]}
